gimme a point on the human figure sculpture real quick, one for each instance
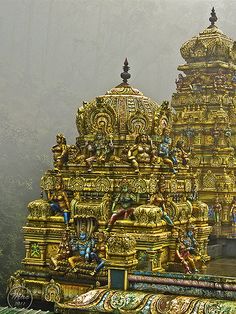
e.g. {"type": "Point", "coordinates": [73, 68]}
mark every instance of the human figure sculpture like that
{"type": "Point", "coordinates": [217, 210]}
{"type": "Point", "coordinates": [86, 249]}
{"type": "Point", "coordinates": [228, 134]}
{"type": "Point", "coordinates": [183, 254]}
{"type": "Point", "coordinates": [168, 156]}
{"type": "Point", "coordinates": [98, 254]}
{"type": "Point", "coordinates": [216, 135]}
{"type": "Point", "coordinates": [142, 152]}
{"type": "Point", "coordinates": [159, 199]}
{"type": "Point", "coordinates": [64, 251]}
{"type": "Point", "coordinates": [60, 152]}
{"type": "Point", "coordinates": [181, 153]}
{"type": "Point", "coordinates": [233, 211]}
{"type": "Point", "coordinates": [179, 81]}
{"type": "Point", "coordinates": [82, 246]}
{"type": "Point", "coordinates": [125, 201]}
{"type": "Point", "coordinates": [190, 235]}
{"type": "Point", "coordinates": [101, 150]}
{"type": "Point", "coordinates": [194, 190]}
{"type": "Point", "coordinates": [189, 133]}
{"type": "Point", "coordinates": [58, 201]}
{"type": "Point", "coordinates": [78, 156]}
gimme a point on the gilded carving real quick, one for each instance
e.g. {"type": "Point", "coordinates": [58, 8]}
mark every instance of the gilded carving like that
{"type": "Point", "coordinates": [53, 292]}
{"type": "Point", "coordinates": [121, 244]}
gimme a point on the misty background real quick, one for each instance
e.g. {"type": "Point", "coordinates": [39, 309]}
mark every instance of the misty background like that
{"type": "Point", "coordinates": [56, 53]}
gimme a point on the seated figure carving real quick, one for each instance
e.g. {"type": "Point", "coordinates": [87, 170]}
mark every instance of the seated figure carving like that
{"type": "Point", "coordinates": [84, 249]}
{"type": "Point", "coordinates": [142, 152]}
{"type": "Point", "coordinates": [159, 199]}
{"type": "Point", "coordinates": [125, 201]}
{"type": "Point", "coordinates": [182, 153]}
{"type": "Point", "coordinates": [100, 150]}
{"type": "Point", "coordinates": [184, 253]}
{"type": "Point", "coordinates": [64, 251]}
{"type": "Point", "coordinates": [58, 201]}
{"type": "Point", "coordinates": [167, 154]}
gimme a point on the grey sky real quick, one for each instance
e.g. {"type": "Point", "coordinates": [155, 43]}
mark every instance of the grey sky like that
{"type": "Point", "coordinates": [56, 53]}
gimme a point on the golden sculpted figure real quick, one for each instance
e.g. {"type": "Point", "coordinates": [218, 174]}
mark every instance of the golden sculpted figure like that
{"type": "Point", "coordinates": [60, 152]}
{"type": "Point", "coordinates": [64, 251]}
{"type": "Point", "coordinates": [183, 254]}
{"type": "Point", "coordinates": [181, 153]}
{"type": "Point", "coordinates": [167, 154]}
{"type": "Point", "coordinates": [160, 198]}
{"type": "Point", "coordinates": [59, 201]}
{"type": "Point", "coordinates": [142, 152]}
{"type": "Point", "coordinates": [125, 201]}
{"type": "Point", "coordinates": [233, 211]}
{"type": "Point", "coordinates": [100, 150]}
{"type": "Point", "coordinates": [217, 211]}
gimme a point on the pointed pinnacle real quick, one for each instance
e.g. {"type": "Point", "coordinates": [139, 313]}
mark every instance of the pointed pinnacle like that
{"type": "Point", "coordinates": [125, 75]}
{"type": "Point", "coordinates": [213, 18]}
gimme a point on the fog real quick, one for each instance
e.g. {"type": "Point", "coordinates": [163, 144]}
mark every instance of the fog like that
{"type": "Point", "coordinates": [56, 53]}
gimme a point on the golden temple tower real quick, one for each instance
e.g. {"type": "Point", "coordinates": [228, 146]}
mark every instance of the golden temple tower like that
{"type": "Point", "coordinates": [121, 198]}
{"type": "Point", "coordinates": [205, 102]}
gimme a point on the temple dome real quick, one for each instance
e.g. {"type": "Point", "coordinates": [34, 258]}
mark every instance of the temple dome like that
{"type": "Point", "coordinates": [123, 110]}
{"type": "Point", "coordinates": [210, 45]}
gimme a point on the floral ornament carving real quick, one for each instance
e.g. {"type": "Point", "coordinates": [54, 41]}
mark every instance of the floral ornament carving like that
{"type": "Point", "coordinates": [121, 244]}
{"type": "Point", "coordinates": [76, 184]}
{"type": "Point", "coordinates": [138, 123]}
{"type": "Point", "coordinates": [146, 214]}
{"type": "Point", "coordinates": [47, 182]}
{"type": "Point", "coordinates": [53, 292]}
{"type": "Point", "coordinates": [102, 184]}
{"type": "Point", "coordinates": [35, 250]}
{"type": "Point", "coordinates": [39, 208]}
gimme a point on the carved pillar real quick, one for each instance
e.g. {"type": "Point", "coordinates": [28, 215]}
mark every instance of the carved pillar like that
{"type": "Point", "coordinates": [27, 249]}
{"type": "Point", "coordinates": [155, 259]}
{"type": "Point", "coordinates": [121, 258]}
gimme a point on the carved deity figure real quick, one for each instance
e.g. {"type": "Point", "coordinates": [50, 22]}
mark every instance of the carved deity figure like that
{"type": "Point", "coordinates": [194, 190]}
{"type": "Point", "coordinates": [87, 249]}
{"type": "Point", "coordinates": [216, 135]}
{"type": "Point", "coordinates": [217, 210]}
{"type": "Point", "coordinates": [99, 253]}
{"type": "Point", "coordinates": [82, 246]}
{"type": "Point", "coordinates": [179, 82]}
{"type": "Point", "coordinates": [182, 153]}
{"type": "Point", "coordinates": [60, 152]}
{"type": "Point", "coordinates": [228, 134]}
{"type": "Point", "coordinates": [100, 150]}
{"type": "Point", "coordinates": [142, 152]}
{"type": "Point", "coordinates": [64, 251]}
{"type": "Point", "coordinates": [168, 156]}
{"type": "Point", "coordinates": [159, 199]}
{"type": "Point", "coordinates": [233, 211]}
{"type": "Point", "coordinates": [78, 156]}
{"type": "Point", "coordinates": [189, 133]}
{"type": "Point", "coordinates": [122, 207]}
{"type": "Point", "coordinates": [190, 234]}
{"type": "Point", "coordinates": [184, 250]}
{"type": "Point", "coordinates": [58, 201]}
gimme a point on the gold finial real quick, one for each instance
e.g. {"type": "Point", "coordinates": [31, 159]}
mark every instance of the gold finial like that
{"type": "Point", "coordinates": [125, 75]}
{"type": "Point", "coordinates": [213, 18]}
